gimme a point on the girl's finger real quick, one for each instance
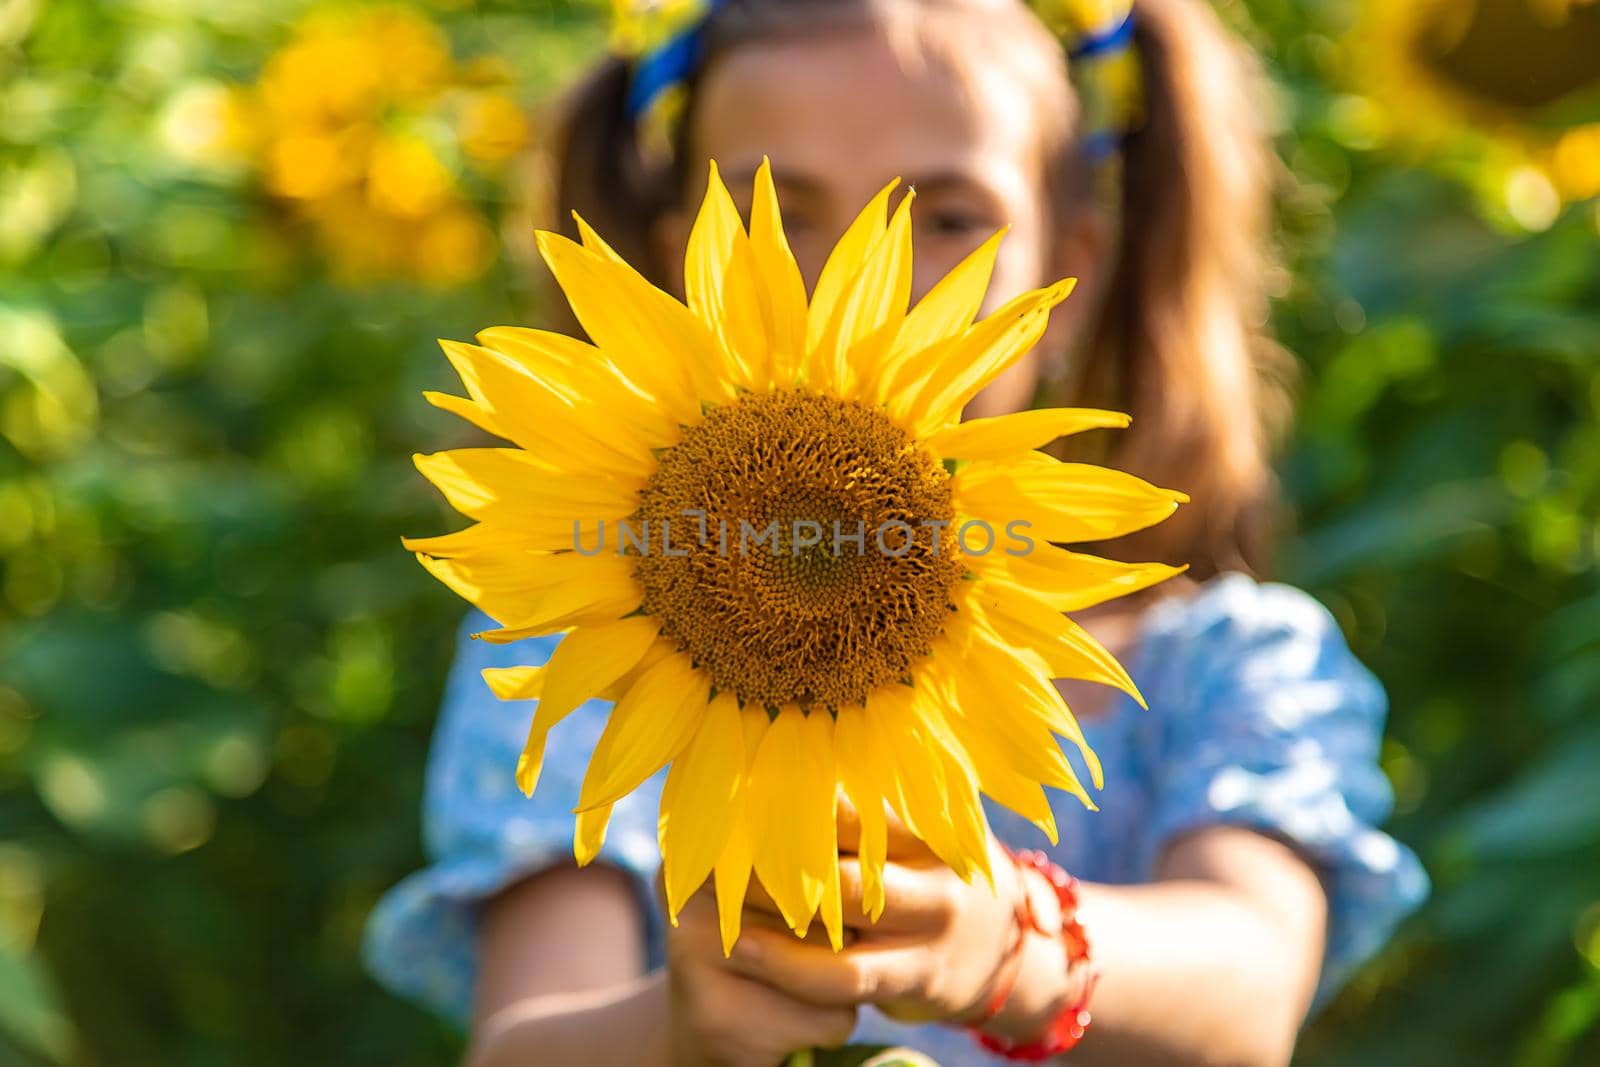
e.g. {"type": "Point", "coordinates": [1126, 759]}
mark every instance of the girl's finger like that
{"type": "Point", "coordinates": [756, 898]}
{"type": "Point", "coordinates": [861, 974]}
{"type": "Point", "coordinates": [903, 845]}
{"type": "Point", "coordinates": [916, 898]}
{"type": "Point", "coordinates": [849, 825]}
{"type": "Point", "coordinates": [760, 911]}
{"type": "Point", "coordinates": [774, 1023]}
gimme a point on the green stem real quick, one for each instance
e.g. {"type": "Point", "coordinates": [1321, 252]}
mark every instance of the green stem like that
{"type": "Point", "coordinates": [804, 1057]}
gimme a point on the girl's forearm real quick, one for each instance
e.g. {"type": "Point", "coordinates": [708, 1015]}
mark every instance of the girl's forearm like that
{"type": "Point", "coordinates": [623, 1025]}
{"type": "Point", "coordinates": [1193, 972]}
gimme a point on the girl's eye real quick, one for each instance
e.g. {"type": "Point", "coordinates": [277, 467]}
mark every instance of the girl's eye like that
{"type": "Point", "coordinates": [797, 218]}
{"type": "Point", "coordinates": [953, 222]}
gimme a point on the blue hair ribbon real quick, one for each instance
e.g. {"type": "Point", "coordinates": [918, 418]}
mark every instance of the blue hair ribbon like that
{"type": "Point", "coordinates": [1105, 70]}
{"type": "Point", "coordinates": [670, 65]}
{"type": "Point", "coordinates": [1100, 145]}
{"type": "Point", "coordinates": [1104, 67]}
{"type": "Point", "coordinates": [1116, 39]}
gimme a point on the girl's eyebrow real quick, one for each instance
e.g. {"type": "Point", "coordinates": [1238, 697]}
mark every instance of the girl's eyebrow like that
{"type": "Point", "coordinates": [743, 177]}
{"type": "Point", "coordinates": [943, 181]}
{"type": "Point", "coordinates": [801, 184]}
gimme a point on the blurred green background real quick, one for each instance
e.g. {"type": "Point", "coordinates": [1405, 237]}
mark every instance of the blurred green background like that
{"type": "Point", "coordinates": [230, 231]}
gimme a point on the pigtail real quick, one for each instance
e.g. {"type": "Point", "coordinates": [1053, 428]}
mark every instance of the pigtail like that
{"type": "Point", "coordinates": [1181, 340]}
{"type": "Point", "coordinates": [600, 171]}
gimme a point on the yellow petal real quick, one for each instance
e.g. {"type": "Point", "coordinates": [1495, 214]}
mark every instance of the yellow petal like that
{"type": "Point", "coordinates": [1024, 621]}
{"type": "Point", "coordinates": [709, 249]}
{"type": "Point", "coordinates": [817, 731]}
{"type": "Point", "coordinates": [953, 373]}
{"type": "Point", "coordinates": [593, 615]}
{"type": "Point", "coordinates": [731, 876]}
{"type": "Point", "coordinates": [477, 538]}
{"type": "Point", "coordinates": [858, 774]}
{"type": "Point", "coordinates": [930, 709]}
{"type": "Point", "coordinates": [792, 811]}
{"type": "Point", "coordinates": [541, 592]}
{"type": "Point", "coordinates": [1015, 686]}
{"type": "Point", "coordinates": [589, 833]}
{"type": "Point", "coordinates": [1073, 581]}
{"type": "Point", "coordinates": [1006, 435]}
{"type": "Point", "coordinates": [655, 340]}
{"type": "Point", "coordinates": [917, 782]}
{"type": "Point", "coordinates": [617, 413]}
{"type": "Point", "coordinates": [1012, 755]}
{"type": "Point", "coordinates": [951, 305]}
{"type": "Point", "coordinates": [515, 683]}
{"type": "Point", "coordinates": [782, 286]}
{"type": "Point", "coordinates": [732, 873]}
{"type": "Point", "coordinates": [833, 284]}
{"type": "Point", "coordinates": [647, 729]}
{"type": "Point", "coordinates": [478, 481]}
{"type": "Point", "coordinates": [504, 485]}
{"type": "Point", "coordinates": [888, 731]}
{"type": "Point", "coordinates": [554, 413]}
{"type": "Point", "coordinates": [999, 777]}
{"type": "Point", "coordinates": [705, 374]}
{"type": "Point", "coordinates": [657, 652]}
{"type": "Point", "coordinates": [719, 281]}
{"type": "Point", "coordinates": [592, 657]}
{"type": "Point", "coordinates": [1062, 501]}
{"type": "Point", "coordinates": [586, 661]}
{"type": "Point", "coordinates": [465, 408]}
{"type": "Point", "coordinates": [871, 311]}
{"type": "Point", "coordinates": [555, 362]}
{"type": "Point", "coordinates": [747, 328]}
{"type": "Point", "coordinates": [946, 311]}
{"type": "Point", "coordinates": [698, 801]}
{"type": "Point", "coordinates": [490, 380]}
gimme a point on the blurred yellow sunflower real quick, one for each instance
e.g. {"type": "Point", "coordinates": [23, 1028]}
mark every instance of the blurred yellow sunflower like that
{"type": "Point", "coordinates": [770, 540]}
{"type": "Point", "coordinates": [1482, 62]}
{"type": "Point", "coordinates": [350, 128]}
{"type": "Point", "coordinates": [1504, 74]}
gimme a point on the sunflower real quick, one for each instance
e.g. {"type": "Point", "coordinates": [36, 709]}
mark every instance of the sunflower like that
{"type": "Point", "coordinates": [1502, 80]}
{"type": "Point", "coordinates": [1483, 63]}
{"type": "Point", "coordinates": [770, 540]}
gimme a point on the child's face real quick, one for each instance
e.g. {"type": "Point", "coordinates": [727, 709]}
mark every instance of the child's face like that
{"type": "Point", "coordinates": [841, 115]}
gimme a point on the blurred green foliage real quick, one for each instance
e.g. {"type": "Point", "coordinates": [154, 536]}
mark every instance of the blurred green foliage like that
{"type": "Point", "coordinates": [220, 671]}
{"type": "Point", "coordinates": [1446, 473]}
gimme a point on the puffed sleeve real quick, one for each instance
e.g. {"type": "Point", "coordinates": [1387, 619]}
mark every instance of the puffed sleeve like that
{"type": "Point", "coordinates": [481, 834]}
{"type": "Point", "coordinates": [1280, 730]}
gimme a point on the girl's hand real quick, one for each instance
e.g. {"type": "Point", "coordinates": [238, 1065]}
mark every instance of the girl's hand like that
{"type": "Point", "coordinates": [937, 953]}
{"type": "Point", "coordinates": [723, 1018]}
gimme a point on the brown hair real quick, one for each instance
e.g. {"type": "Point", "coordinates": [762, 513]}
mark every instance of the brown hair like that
{"type": "Point", "coordinates": [1180, 341]}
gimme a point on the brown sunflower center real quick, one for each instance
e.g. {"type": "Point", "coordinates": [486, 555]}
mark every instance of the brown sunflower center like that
{"type": "Point", "coordinates": [798, 549]}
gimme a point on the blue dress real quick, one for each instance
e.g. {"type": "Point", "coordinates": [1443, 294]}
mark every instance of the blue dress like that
{"type": "Point", "coordinates": [1260, 716]}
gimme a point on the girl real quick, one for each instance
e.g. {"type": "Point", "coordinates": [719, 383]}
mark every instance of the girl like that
{"type": "Point", "coordinates": [1235, 874]}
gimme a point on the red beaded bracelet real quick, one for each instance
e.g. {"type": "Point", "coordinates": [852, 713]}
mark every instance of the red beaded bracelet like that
{"type": "Point", "coordinates": [1068, 1027]}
